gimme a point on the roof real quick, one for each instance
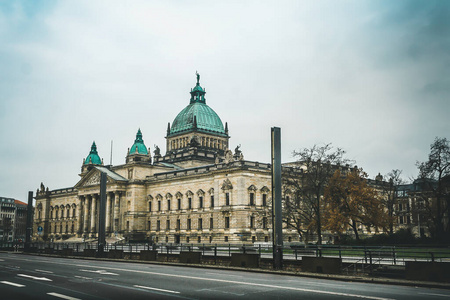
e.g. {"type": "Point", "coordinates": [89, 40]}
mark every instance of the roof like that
{"type": "Point", "coordinates": [111, 174]}
{"type": "Point", "coordinates": [18, 202]}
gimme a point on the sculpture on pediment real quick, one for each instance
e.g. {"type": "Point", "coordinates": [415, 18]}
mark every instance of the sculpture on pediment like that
{"type": "Point", "coordinates": [94, 180]}
{"type": "Point", "coordinates": [226, 185]}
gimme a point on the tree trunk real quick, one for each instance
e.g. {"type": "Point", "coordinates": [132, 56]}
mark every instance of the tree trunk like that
{"type": "Point", "coordinates": [319, 225]}
{"type": "Point", "coordinates": [355, 230]}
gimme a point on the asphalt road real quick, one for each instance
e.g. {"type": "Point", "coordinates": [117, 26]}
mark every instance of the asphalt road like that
{"type": "Point", "coordinates": [38, 277]}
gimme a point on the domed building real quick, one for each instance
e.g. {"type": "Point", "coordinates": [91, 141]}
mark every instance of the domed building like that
{"type": "Point", "coordinates": [198, 191]}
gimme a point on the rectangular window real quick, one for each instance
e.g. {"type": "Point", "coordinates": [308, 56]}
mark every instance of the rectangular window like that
{"type": "Point", "coordinates": [264, 224]}
{"type": "Point", "coordinates": [178, 224]}
{"type": "Point", "coordinates": [212, 200]}
{"type": "Point", "coordinates": [149, 225]}
{"type": "Point", "coordinates": [189, 203]}
{"type": "Point", "coordinates": [200, 223]}
{"type": "Point", "coordinates": [168, 225]}
{"type": "Point", "coordinates": [200, 202]}
{"type": "Point", "coordinates": [227, 199]}
{"type": "Point", "coordinates": [159, 205]}
{"type": "Point", "coordinates": [211, 223]}
{"type": "Point", "coordinates": [252, 222]}
{"type": "Point", "coordinates": [179, 204]}
{"type": "Point", "coordinates": [226, 239]}
{"type": "Point", "coordinates": [149, 206]}
{"type": "Point", "coordinates": [400, 207]}
{"type": "Point", "coordinates": [264, 199]}
{"type": "Point", "coordinates": [227, 222]}
{"type": "Point", "coordinates": [128, 225]}
{"type": "Point", "coordinates": [158, 225]}
{"type": "Point", "coordinates": [252, 198]}
{"type": "Point", "coordinates": [168, 204]}
{"type": "Point", "coordinates": [189, 224]}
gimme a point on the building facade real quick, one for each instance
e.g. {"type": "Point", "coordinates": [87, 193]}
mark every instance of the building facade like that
{"type": "Point", "coordinates": [199, 191]}
{"type": "Point", "coordinates": [13, 216]}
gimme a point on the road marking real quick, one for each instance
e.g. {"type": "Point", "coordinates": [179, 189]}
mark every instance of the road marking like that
{"type": "Point", "coordinates": [43, 271]}
{"type": "Point", "coordinates": [430, 294]}
{"type": "Point", "coordinates": [12, 283]}
{"type": "Point", "coordinates": [253, 284]}
{"type": "Point", "coordinates": [34, 277]}
{"type": "Point", "coordinates": [62, 296]}
{"type": "Point", "coordinates": [102, 272]}
{"type": "Point", "coordinates": [82, 277]}
{"type": "Point", "coordinates": [155, 289]}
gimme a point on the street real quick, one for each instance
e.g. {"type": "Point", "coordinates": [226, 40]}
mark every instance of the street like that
{"type": "Point", "coordinates": [38, 277]}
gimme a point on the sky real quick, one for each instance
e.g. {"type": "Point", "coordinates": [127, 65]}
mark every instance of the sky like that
{"type": "Point", "coordinates": [371, 77]}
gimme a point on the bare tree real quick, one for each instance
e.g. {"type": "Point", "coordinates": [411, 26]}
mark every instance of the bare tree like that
{"type": "Point", "coordinates": [434, 175]}
{"type": "Point", "coordinates": [389, 189]}
{"type": "Point", "coordinates": [304, 183]}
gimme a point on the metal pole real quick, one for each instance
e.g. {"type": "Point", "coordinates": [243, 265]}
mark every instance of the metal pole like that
{"type": "Point", "coordinates": [29, 221]}
{"type": "Point", "coordinates": [276, 199]}
{"type": "Point", "coordinates": [102, 215]}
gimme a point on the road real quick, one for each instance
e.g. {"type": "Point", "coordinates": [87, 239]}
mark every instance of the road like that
{"type": "Point", "coordinates": [38, 277]}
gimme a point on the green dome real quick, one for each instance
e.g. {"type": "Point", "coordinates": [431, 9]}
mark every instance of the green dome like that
{"type": "Point", "coordinates": [138, 146]}
{"type": "Point", "coordinates": [205, 118]}
{"type": "Point", "coordinates": [93, 157]}
{"type": "Point", "coordinates": [197, 115]}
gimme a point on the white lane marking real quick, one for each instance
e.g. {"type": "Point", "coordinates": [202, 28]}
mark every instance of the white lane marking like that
{"type": "Point", "coordinates": [62, 296]}
{"type": "Point", "coordinates": [82, 277]}
{"type": "Point", "coordinates": [102, 272]}
{"type": "Point", "coordinates": [43, 271]}
{"type": "Point", "coordinates": [253, 284]}
{"type": "Point", "coordinates": [12, 283]}
{"type": "Point", "coordinates": [2, 259]}
{"type": "Point", "coordinates": [430, 294]}
{"type": "Point", "coordinates": [34, 277]}
{"type": "Point", "coordinates": [155, 289]}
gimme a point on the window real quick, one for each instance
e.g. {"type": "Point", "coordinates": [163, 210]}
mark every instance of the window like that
{"type": "Point", "coordinates": [187, 239]}
{"type": "Point", "coordinates": [150, 206]}
{"type": "Point", "coordinates": [200, 202]}
{"type": "Point", "coordinates": [264, 199]}
{"type": "Point", "coordinates": [189, 224]}
{"type": "Point", "coordinates": [189, 203]}
{"type": "Point", "coordinates": [252, 198]}
{"type": "Point", "coordinates": [211, 223]}
{"type": "Point", "coordinates": [73, 213]}
{"type": "Point", "coordinates": [200, 223]}
{"type": "Point", "coordinates": [159, 205]}
{"type": "Point", "coordinates": [264, 224]}
{"type": "Point", "coordinates": [212, 200]}
{"type": "Point", "coordinates": [266, 239]}
{"type": "Point", "coordinates": [51, 214]}
{"type": "Point", "coordinates": [128, 225]}
{"type": "Point", "coordinates": [227, 222]}
{"type": "Point", "coordinates": [252, 222]}
{"type": "Point", "coordinates": [226, 239]}
{"type": "Point", "coordinates": [178, 224]}
{"type": "Point", "coordinates": [179, 203]}
{"type": "Point", "coordinates": [253, 239]}
{"type": "Point", "coordinates": [158, 225]}
{"type": "Point", "coordinates": [199, 239]}
{"type": "Point", "coordinates": [168, 204]}
{"type": "Point", "coordinates": [149, 225]}
{"type": "Point", "coordinates": [168, 225]}
{"type": "Point", "coordinates": [400, 207]}
{"type": "Point", "coordinates": [227, 199]}
{"type": "Point", "coordinates": [62, 214]}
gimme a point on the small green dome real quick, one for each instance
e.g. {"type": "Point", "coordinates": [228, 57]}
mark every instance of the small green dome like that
{"type": "Point", "coordinates": [138, 146]}
{"type": "Point", "coordinates": [93, 157]}
{"type": "Point", "coordinates": [197, 115]}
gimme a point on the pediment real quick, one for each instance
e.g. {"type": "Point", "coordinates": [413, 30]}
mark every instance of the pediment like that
{"type": "Point", "coordinates": [92, 178]}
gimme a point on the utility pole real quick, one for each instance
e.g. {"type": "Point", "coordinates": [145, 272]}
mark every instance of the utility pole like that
{"type": "Point", "coordinates": [102, 215]}
{"type": "Point", "coordinates": [277, 224]}
{"type": "Point", "coordinates": [29, 224]}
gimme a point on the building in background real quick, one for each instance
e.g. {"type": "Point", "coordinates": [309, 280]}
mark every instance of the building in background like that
{"type": "Point", "coordinates": [13, 216]}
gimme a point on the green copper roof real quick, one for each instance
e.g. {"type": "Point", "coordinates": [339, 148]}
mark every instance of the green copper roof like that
{"type": "Point", "coordinates": [93, 157]}
{"type": "Point", "coordinates": [138, 146]}
{"type": "Point", "coordinates": [197, 115]}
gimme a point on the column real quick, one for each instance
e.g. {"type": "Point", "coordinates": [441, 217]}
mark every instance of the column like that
{"type": "Point", "coordinates": [108, 212]}
{"type": "Point", "coordinates": [79, 216]}
{"type": "Point", "coordinates": [86, 214]}
{"type": "Point", "coordinates": [93, 214]}
{"type": "Point", "coordinates": [116, 211]}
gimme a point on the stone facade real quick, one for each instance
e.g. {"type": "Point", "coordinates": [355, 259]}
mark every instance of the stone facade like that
{"type": "Point", "coordinates": [199, 191]}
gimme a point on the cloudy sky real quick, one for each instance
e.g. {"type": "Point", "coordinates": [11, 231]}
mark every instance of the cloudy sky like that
{"type": "Point", "coordinates": [372, 77]}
